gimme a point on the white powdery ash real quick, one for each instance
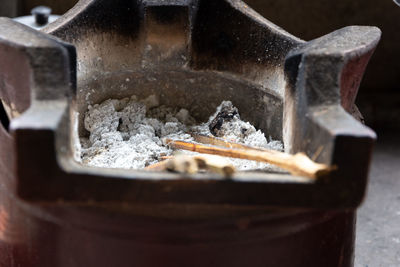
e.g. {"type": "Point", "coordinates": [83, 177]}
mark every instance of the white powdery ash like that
{"type": "Point", "coordinates": [128, 133]}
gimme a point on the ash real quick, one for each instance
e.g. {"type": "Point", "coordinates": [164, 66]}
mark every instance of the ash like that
{"type": "Point", "coordinates": [128, 133]}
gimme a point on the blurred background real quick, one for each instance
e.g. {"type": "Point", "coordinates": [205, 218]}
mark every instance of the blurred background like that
{"type": "Point", "coordinates": [378, 232]}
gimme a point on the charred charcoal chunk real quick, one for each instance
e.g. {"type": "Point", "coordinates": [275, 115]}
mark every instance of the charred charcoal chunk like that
{"type": "Point", "coordinates": [226, 114]}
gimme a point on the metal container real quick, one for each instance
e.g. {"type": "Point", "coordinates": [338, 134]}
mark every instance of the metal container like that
{"type": "Point", "coordinates": [194, 54]}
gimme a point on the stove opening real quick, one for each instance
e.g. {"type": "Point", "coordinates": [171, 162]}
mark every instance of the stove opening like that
{"type": "Point", "coordinates": [123, 120]}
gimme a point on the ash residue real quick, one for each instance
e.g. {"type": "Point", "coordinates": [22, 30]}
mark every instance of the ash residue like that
{"type": "Point", "coordinates": [128, 133]}
{"type": "Point", "coordinates": [122, 135]}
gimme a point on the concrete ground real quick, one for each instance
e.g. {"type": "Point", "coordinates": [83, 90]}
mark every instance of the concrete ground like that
{"type": "Point", "coordinates": [378, 225]}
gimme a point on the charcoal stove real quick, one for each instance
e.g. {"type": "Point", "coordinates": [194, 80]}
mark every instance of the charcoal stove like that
{"type": "Point", "coordinates": [193, 54]}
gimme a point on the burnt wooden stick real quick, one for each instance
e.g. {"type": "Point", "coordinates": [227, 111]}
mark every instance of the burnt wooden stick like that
{"type": "Point", "coordinates": [192, 164]}
{"type": "Point", "coordinates": [204, 139]}
{"type": "Point", "coordinates": [159, 166]}
{"type": "Point", "coordinates": [211, 140]}
{"type": "Point", "coordinates": [215, 164]}
{"type": "Point", "coordinates": [298, 164]}
{"type": "Point", "coordinates": [166, 157]}
{"type": "Point", "coordinates": [183, 164]}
